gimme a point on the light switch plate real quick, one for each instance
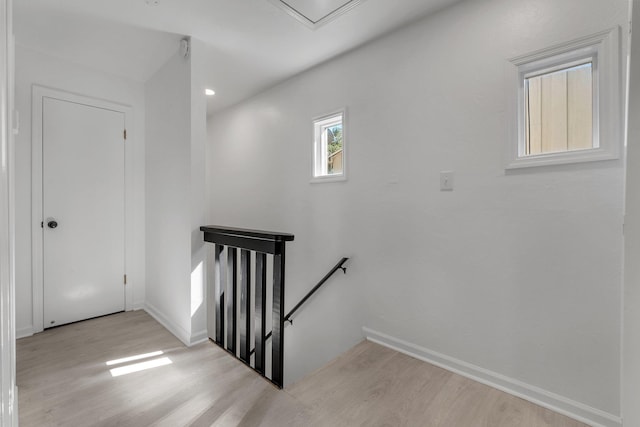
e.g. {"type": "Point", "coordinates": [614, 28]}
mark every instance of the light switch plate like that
{"type": "Point", "coordinates": [446, 181]}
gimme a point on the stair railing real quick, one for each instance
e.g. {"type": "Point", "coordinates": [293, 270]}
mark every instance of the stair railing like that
{"type": "Point", "coordinates": [233, 309]}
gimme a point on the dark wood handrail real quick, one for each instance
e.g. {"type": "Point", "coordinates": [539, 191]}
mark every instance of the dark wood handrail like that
{"type": "Point", "coordinates": [246, 232]}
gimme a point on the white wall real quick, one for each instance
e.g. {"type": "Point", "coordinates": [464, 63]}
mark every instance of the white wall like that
{"type": "Point", "coordinates": [36, 68]}
{"type": "Point", "coordinates": [175, 182]}
{"type": "Point", "coordinates": [631, 371]}
{"type": "Point", "coordinates": [516, 273]}
{"type": "Point", "coordinates": [168, 237]}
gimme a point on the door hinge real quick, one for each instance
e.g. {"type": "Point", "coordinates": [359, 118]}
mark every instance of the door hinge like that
{"type": "Point", "coordinates": [125, 279]}
{"type": "Point", "coordinates": [125, 134]}
{"type": "Point", "coordinates": [42, 224]}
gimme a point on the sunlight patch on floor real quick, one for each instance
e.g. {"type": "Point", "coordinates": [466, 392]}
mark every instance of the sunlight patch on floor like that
{"type": "Point", "coordinates": [142, 366]}
{"type": "Point", "coordinates": [133, 358]}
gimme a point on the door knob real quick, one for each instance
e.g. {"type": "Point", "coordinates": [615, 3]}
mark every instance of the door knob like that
{"type": "Point", "coordinates": [52, 224]}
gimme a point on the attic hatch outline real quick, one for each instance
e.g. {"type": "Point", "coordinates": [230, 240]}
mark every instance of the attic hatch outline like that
{"type": "Point", "coordinates": [310, 23]}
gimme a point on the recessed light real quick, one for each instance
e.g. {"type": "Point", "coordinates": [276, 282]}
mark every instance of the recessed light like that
{"type": "Point", "coordinates": [209, 92]}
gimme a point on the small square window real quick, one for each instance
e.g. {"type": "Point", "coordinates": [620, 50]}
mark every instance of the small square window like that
{"type": "Point", "coordinates": [559, 110]}
{"type": "Point", "coordinates": [568, 103]}
{"type": "Point", "coordinates": [329, 153]}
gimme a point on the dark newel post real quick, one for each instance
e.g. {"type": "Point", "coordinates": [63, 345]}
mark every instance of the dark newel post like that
{"type": "Point", "coordinates": [219, 285]}
{"type": "Point", "coordinates": [232, 303]}
{"type": "Point", "coordinates": [261, 310]}
{"type": "Point", "coordinates": [277, 350]}
{"type": "Point", "coordinates": [245, 305]}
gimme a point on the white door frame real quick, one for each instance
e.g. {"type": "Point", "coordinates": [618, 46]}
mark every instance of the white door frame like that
{"type": "Point", "coordinates": [8, 398]}
{"type": "Point", "coordinates": [39, 93]}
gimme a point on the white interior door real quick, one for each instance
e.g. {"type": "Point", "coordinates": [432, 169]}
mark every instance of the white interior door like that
{"type": "Point", "coordinates": [83, 211]}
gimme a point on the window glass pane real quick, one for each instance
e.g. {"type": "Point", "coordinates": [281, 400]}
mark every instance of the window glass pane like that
{"type": "Point", "coordinates": [334, 149]}
{"type": "Point", "coordinates": [329, 147]}
{"type": "Point", "coordinates": [559, 110]}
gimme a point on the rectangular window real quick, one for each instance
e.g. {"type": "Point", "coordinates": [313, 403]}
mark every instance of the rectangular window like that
{"type": "Point", "coordinates": [568, 103]}
{"type": "Point", "coordinates": [329, 148]}
{"type": "Point", "coordinates": [559, 110]}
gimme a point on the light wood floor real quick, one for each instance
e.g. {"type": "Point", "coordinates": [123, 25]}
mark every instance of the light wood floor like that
{"type": "Point", "coordinates": [63, 380]}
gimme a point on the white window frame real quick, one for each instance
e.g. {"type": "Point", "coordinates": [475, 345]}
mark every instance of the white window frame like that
{"type": "Point", "coordinates": [319, 164]}
{"type": "Point", "coordinates": [602, 50]}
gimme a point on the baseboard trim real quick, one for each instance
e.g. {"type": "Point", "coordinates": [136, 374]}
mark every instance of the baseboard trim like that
{"type": "Point", "coordinates": [176, 330]}
{"type": "Point", "coordinates": [24, 332]}
{"type": "Point", "coordinates": [199, 337]}
{"type": "Point", "coordinates": [137, 306]}
{"type": "Point", "coordinates": [16, 409]}
{"type": "Point", "coordinates": [562, 405]}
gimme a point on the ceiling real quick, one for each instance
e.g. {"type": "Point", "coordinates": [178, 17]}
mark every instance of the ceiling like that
{"type": "Point", "coordinates": [315, 10]}
{"type": "Point", "coordinates": [251, 44]}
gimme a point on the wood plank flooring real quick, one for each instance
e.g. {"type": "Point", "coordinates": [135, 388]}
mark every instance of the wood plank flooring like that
{"type": "Point", "coordinates": [63, 380]}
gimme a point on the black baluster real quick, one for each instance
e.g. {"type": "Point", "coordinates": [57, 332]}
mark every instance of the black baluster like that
{"type": "Point", "coordinates": [220, 284]}
{"type": "Point", "coordinates": [245, 305]}
{"type": "Point", "coordinates": [261, 311]}
{"type": "Point", "coordinates": [232, 303]}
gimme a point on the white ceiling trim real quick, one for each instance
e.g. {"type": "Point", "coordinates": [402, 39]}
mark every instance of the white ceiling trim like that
{"type": "Point", "coordinates": [314, 24]}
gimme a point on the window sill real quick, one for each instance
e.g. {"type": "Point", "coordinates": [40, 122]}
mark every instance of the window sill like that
{"type": "Point", "coordinates": [328, 178]}
{"type": "Point", "coordinates": [569, 157]}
